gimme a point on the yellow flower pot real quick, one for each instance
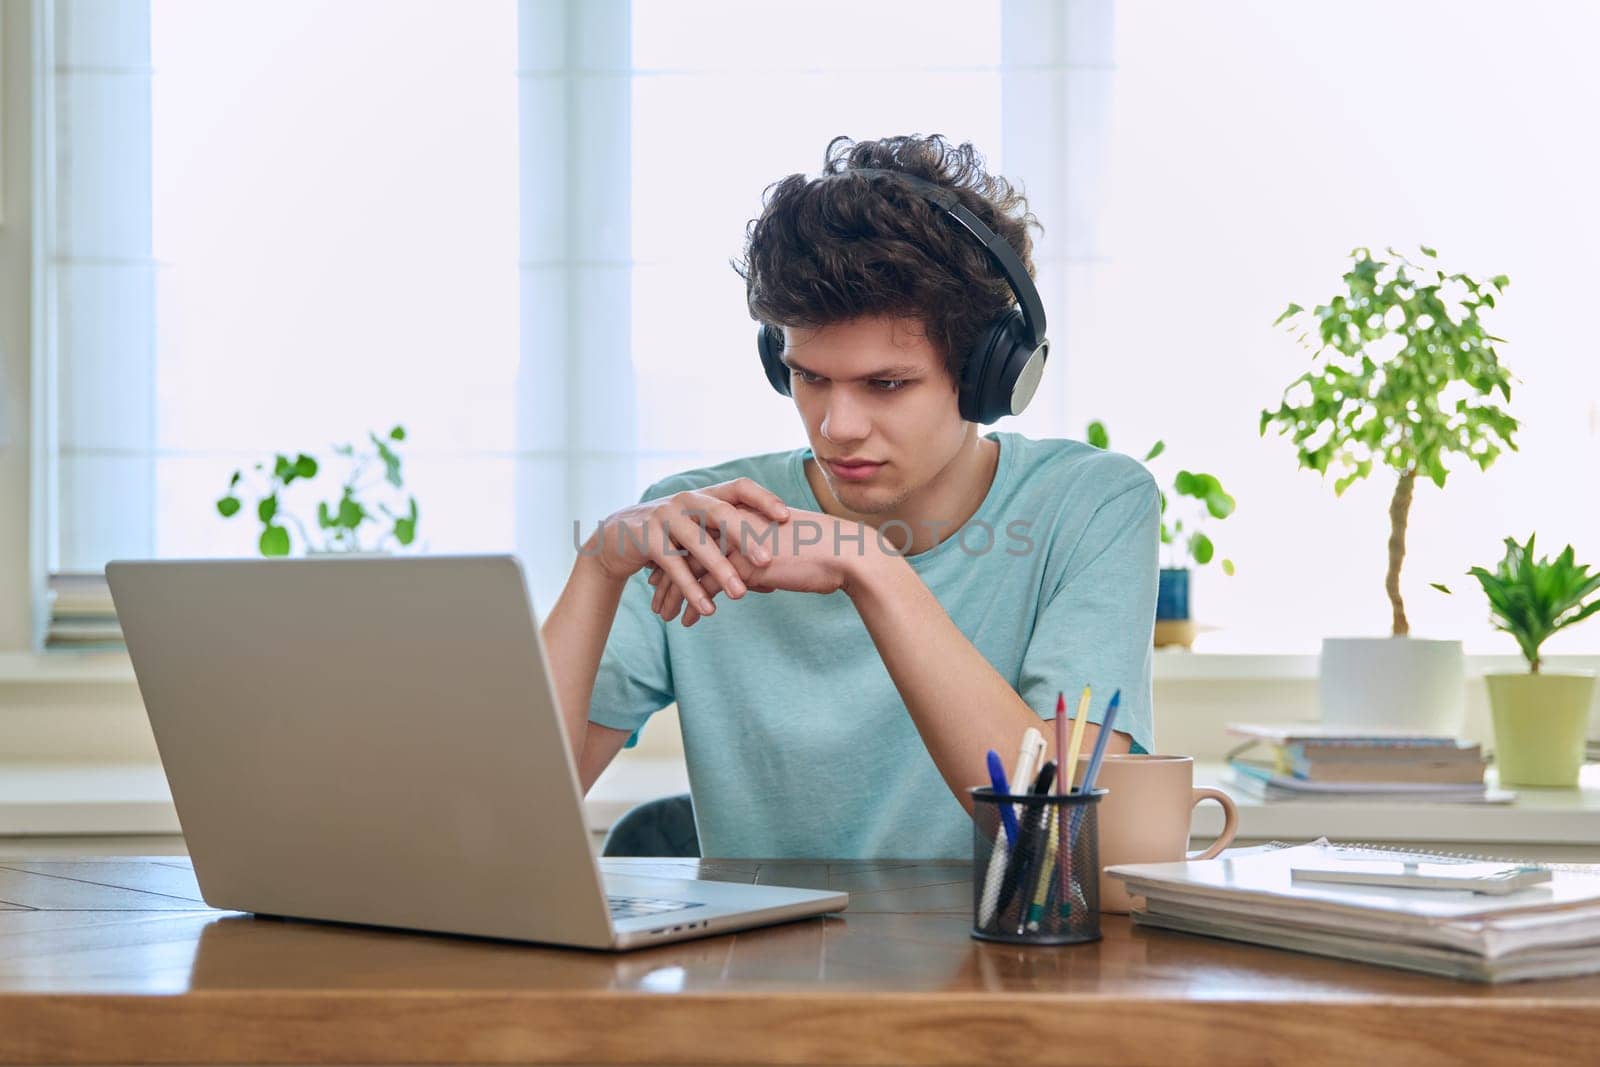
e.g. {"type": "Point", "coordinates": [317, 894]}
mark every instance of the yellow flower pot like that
{"type": "Point", "coordinates": [1540, 722]}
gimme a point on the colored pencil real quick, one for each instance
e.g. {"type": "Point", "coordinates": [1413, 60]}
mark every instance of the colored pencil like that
{"type": "Point", "coordinates": [1092, 773]}
{"type": "Point", "coordinates": [1070, 764]}
{"type": "Point", "coordinates": [1070, 767]}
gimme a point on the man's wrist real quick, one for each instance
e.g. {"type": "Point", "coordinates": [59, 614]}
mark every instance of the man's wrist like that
{"type": "Point", "coordinates": [870, 571]}
{"type": "Point", "coordinates": [590, 566]}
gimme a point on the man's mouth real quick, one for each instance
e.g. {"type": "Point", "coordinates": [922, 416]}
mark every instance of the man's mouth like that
{"type": "Point", "coordinates": [853, 470]}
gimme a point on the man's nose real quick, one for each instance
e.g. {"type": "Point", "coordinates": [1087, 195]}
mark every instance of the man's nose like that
{"type": "Point", "coordinates": [845, 418]}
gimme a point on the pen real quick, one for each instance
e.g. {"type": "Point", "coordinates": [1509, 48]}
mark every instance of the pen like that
{"type": "Point", "coordinates": [1041, 890]}
{"type": "Point", "coordinates": [1063, 786]}
{"type": "Point", "coordinates": [997, 779]}
{"type": "Point", "coordinates": [1099, 752]}
{"type": "Point", "coordinates": [1092, 773]}
{"type": "Point", "coordinates": [1030, 846]}
{"type": "Point", "coordinates": [1063, 781]}
{"type": "Point", "coordinates": [1027, 755]}
{"type": "Point", "coordinates": [1068, 768]}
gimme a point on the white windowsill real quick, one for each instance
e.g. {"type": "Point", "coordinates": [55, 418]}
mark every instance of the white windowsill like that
{"type": "Point", "coordinates": [1170, 665]}
{"type": "Point", "coordinates": [54, 799]}
{"type": "Point", "coordinates": [132, 798]}
{"type": "Point", "coordinates": [65, 668]}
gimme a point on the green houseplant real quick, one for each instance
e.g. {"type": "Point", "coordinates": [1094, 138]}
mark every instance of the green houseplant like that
{"type": "Point", "coordinates": [1188, 504]}
{"type": "Point", "coordinates": [343, 522]}
{"type": "Point", "coordinates": [1404, 376]}
{"type": "Point", "coordinates": [1541, 718]}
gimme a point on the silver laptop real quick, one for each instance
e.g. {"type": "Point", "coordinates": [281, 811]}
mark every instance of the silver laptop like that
{"type": "Point", "coordinates": [377, 741]}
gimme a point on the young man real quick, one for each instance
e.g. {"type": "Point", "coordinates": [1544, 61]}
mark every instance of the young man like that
{"type": "Point", "coordinates": [906, 593]}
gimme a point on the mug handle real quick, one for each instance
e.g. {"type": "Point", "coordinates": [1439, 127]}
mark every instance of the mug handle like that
{"type": "Point", "coordinates": [1230, 821]}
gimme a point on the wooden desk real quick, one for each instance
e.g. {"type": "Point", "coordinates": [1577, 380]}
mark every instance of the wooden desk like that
{"type": "Point", "coordinates": [118, 961]}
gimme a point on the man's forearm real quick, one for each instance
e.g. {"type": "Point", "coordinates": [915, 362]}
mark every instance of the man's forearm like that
{"type": "Point", "coordinates": [961, 705]}
{"type": "Point", "coordinates": [575, 634]}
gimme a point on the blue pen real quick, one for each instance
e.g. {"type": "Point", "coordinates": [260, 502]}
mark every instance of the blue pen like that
{"type": "Point", "coordinates": [1099, 752]}
{"type": "Point", "coordinates": [997, 778]}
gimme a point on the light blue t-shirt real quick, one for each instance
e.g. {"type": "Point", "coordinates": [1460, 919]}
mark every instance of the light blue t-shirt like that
{"type": "Point", "coordinates": [798, 743]}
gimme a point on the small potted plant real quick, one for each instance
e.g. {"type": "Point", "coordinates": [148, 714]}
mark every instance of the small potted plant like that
{"type": "Point", "coordinates": [1182, 539]}
{"type": "Point", "coordinates": [1404, 376]}
{"type": "Point", "coordinates": [340, 523]}
{"type": "Point", "coordinates": [1541, 718]}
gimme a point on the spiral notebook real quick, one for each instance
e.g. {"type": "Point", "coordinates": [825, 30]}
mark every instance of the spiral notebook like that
{"type": "Point", "coordinates": [1247, 894]}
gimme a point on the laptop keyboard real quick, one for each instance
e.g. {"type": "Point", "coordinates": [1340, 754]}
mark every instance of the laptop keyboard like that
{"type": "Point", "coordinates": [633, 907]}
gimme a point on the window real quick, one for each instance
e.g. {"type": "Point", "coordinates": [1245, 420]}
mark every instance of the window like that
{"type": "Point", "coordinates": [279, 226]}
{"type": "Point", "coordinates": [1253, 145]}
{"type": "Point", "coordinates": [760, 113]}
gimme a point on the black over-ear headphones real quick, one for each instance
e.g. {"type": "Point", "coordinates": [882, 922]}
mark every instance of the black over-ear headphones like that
{"type": "Point", "coordinates": [1002, 371]}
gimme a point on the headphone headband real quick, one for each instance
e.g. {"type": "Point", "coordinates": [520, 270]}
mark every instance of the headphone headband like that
{"type": "Point", "coordinates": [1000, 372]}
{"type": "Point", "coordinates": [1000, 251]}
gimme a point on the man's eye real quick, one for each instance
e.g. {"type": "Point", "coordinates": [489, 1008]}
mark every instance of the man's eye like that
{"type": "Point", "coordinates": [890, 385]}
{"type": "Point", "coordinates": [805, 375]}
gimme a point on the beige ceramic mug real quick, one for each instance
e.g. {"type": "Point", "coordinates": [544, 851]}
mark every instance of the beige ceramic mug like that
{"type": "Point", "coordinates": [1145, 817]}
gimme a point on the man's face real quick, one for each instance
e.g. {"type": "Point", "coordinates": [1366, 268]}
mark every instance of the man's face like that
{"type": "Point", "coordinates": [874, 389]}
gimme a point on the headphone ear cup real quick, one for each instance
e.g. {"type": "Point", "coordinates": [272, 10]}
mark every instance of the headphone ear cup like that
{"type": "Point", "coordinates": [769, 342]}
{"type": "Point", "coordinates": [1002, 372]}
{"type": "Point", "coordinates": [982, 400]}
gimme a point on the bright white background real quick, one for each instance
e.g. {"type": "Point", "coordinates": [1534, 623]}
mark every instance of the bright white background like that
{"type": "Point", "coordinates": [719, 113]}
{"type": "Point", "coordinates": [1255, 143]}
{"type": "Point", "coordinates": [335, 219]}
{"type": "Point", "coordinates": [335, 211]}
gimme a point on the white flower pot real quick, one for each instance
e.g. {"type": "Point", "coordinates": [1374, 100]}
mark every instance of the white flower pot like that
{"type": "Point", "coordinates": [1393, 684]}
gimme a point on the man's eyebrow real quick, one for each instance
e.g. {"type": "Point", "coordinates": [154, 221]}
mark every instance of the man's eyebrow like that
{"type": "Point", "coordinates": [900, 370]}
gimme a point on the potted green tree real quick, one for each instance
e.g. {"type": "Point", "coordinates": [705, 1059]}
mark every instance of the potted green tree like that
{"type": "Point", "coordinates": [340, 523]}
{"type": "Point", "coordinates": [1541, 718]}
{"type": "Point", "coordinates": [1404, 376]}
{"type": "Point", "coordinates": [1198, 497]}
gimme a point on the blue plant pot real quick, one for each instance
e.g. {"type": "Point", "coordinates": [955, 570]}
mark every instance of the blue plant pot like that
{"type": "Point", "coordinates": [1172, 595]}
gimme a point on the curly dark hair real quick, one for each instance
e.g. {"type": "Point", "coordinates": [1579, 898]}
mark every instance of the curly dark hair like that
{"type": "Point", "coordinates": [833, 248]}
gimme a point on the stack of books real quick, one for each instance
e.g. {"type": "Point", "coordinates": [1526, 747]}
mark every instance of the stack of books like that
{"type": "Point", "coordinates": [82, 617]}
{"type": "Point", "coordinates": [1545, 930]}
{"type": "Point", "coordinates": [1306, 761]}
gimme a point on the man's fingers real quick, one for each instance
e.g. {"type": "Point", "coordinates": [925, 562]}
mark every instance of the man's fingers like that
{"type": "Point", "coordinates": [735, 527]}
{"type": "Point", "coordinates": [670, 596]}
{"type": "Point", "coordinates": [671, 600]}
{"type": "Point", "coordinates": [743, 565]}
{"type": "Point", "coordinates": [678, 571]}
{"type": "Point", "coordinates": [701, 546]}
{"type": "Point", "coordinates": [738, 533]}
{"type": "Point", "coordinates": [753, 494]}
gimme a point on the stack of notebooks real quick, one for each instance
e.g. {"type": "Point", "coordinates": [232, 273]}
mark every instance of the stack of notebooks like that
{"type": "Point", "coordinates": [82, 617]}
{"type": "Point", "coordinates": [1546, 930]}
{"type": "Point", "coordinates": [1304, 761]}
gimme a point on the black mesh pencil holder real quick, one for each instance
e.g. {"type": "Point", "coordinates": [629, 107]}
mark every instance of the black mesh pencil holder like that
{"type": "Point", "coordinates": [1037, 881]}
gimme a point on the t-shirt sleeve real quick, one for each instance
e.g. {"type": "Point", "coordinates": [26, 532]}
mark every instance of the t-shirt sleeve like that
{"type": "Point", "coordinates": [1097, 624]}
{"type": "Point", "coordinates": [635, 676]}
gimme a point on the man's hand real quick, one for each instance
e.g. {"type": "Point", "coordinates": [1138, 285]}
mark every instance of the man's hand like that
{"type": "Point", "coordinates": [812, 553]}
{"type": "Point", "coordinates": [667, 533]}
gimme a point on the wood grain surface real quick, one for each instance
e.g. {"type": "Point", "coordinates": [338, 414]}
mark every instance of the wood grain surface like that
{"type": "Point", "coordinates": [120, 961]}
